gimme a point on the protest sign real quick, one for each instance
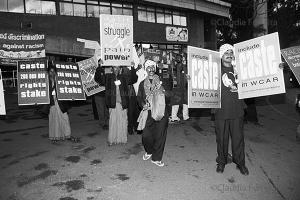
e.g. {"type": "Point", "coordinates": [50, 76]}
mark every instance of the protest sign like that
{"type": "Point", "coordinates": [69, 84]}
{"type": "Point", "coordinates": [33, 82]}
{"type": "Point", "coordinates": [204, 69]}
{"type": "Point", "coordinates": [116, 39]}
{"type": "Point", "coordinates": [87, 70]}
{"type": "Point", "coordinates": [257, 62]}
{"type": "Point", "coordinates": [16, 46]}
{"type": "Point", "coordinates": [292, 57]}
{"type": "Point", "coordinates": [2, 102]}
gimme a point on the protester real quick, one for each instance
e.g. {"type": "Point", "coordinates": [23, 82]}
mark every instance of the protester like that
{"type": "Point", "coordinates": [117, 100]}
{"type": "Point", "coordinates": [59, 124]}
{"type": "Point", "coordinates": [102, 110]}
{"type": "Point", "coordinates": [154, 130]}
{"type": "Point", "coordinates": [180, 92]}
{"type": "Point", "coordinates": [229, 118]}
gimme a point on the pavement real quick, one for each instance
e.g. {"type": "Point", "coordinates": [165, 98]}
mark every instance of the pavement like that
{"type": "Point", "coordinates": [31, 168]}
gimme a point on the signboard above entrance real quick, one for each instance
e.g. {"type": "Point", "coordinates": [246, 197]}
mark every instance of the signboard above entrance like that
{"type": "Point", "coordinates": [176, 34]}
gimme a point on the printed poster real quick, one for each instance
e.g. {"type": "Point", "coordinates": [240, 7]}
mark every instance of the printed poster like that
{"type": "Point", "coordinates": [33, 82]}
{"type": "Point", "coordinates": [116, 39]}
{"type": "Point", "coordinates": [15, 46]}
{"type": "Point", "coordinates": [2, 102]}
{"type": "Point", "coordinates": [257, 62]}
{"type": "Point", "coordinates": [204, 69]}
{"type": "Point", "coordinates": [87, 70]}
{"type": "Point", "coordinates": [69, 84]}
{"type": "Point", "coordinates": [177, 34]}
{"type": "Point", "coordinates": [292, 57]}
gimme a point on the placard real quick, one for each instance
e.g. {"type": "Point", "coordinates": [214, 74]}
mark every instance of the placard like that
{"type": "Point", "coordinates": [87, 70]}
{"type": "Point", "coordinates": [176, 34]}
{"type": "Point", "coordinates": [69, 84]}
{"type": "Point", "coordinates": [257, 62]}
{"type": "Point", "coordinates": [33, 82]}
{"type": "Point", "coordinates": [204, 69]}
{"type": "Point", "coordinates": [2, 102]}
{"type": "Point", "coordinates": [116, 39]}
{"type": "Point", "coordinates": [292, 57]}
{"type": "Point", "coordinates": [15, 46]}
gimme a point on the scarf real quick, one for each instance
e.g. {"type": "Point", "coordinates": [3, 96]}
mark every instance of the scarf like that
{"type": "Point", "coordinates": [151, 88]}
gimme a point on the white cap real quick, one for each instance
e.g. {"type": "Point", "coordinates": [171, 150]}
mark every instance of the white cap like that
{"type": "Point", "coordinates": [224, 48]}
{"type": "Point", "coordinates": [149, 63]}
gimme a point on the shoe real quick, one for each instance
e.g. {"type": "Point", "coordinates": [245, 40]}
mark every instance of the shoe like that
{"type": "Point", "coordinates": [146, 156]}
{"type": "Point", "coordinates": [243, 169]}
{"type": "Point", "coordinates": [187, 119]}
{"type": "Point", "coordinates": [158, 163]}
{"type": "Point", "coordinates": [105, 127]}
{"type": "Point", "coordinates": [175, 120]}
{"type": "Point", "coordinates": [220, 168]}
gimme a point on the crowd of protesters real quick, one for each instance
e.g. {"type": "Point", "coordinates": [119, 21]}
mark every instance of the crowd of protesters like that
{"type": "Point", "coordinates": [147, 110]}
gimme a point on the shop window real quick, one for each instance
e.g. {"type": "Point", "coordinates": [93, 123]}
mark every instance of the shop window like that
{"type": "Point", "coordinates": [116, 9]}
{"type": "Point", "coordinates": [150, 14]}
{"type": "Point", "coordinates": [16, 6]}
{"type": "Point", "coordinates": [79, 10]}
{"type": "Point", "coordinates": [127, 9]}
{"type": "Point", "coordinates": [168, 17]}
{"type": "Point", "coordinates": [92, 2]}
{"type": "Point", "coordinates": [146, 14]}
{"type": "Point", "coordinates": [104, 8]}
{"type": "Point", "coordinates": [93, 11]}
{"type": "Point", "coordinates": [66, 8]}
{"type": "Point", "coordinates": [40, 7]}
{"type": "Point", "coordinates": [179, 19]}
{"type": "Point", "coordinates": [160, 16]}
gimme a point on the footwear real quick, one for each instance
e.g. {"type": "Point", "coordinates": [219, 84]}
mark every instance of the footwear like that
{"type": "Point", "coordinates": [243, 169]}
{"type": "Point", "coordinates": [146, 156]}
{"type": "Point", "coordinates": [174, 120]}
{"type": "Point", "coordinates": [220, 168]}
{"type": "Point", "coordinates": [187, 119]}
{"type": "Point", "coordinates": [158, 163]}
{"type": "Point", "coordinates": [105, 127]}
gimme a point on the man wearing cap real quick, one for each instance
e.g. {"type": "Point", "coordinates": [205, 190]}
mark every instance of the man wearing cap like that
{"type": "Point", "coordinates": [229, 118]}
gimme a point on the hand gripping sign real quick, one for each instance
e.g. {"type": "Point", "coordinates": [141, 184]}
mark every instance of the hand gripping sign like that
{"type": "Point", "coordinates": [257, 62]}
{"type": "Point", "coordinates": [204, 70]}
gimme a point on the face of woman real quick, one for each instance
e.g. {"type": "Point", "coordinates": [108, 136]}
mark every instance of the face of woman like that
{"type": "Point", "coordinates": [150, 70]}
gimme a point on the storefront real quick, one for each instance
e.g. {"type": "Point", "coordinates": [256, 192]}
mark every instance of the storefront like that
{"type": "Point", "coordinates": [164, 25]}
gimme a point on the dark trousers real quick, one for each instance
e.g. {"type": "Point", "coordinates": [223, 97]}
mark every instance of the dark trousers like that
{"type": "Point", "coordinates": [234, 128]}
{"type": "Point", "coordinates": [250, 111]}
{"type": "Point", "coordinates": [132, 114]}
{"type": "Point", "coordinates": [154, 137]}
{"type": "Point", "coordinates": [102, 110]}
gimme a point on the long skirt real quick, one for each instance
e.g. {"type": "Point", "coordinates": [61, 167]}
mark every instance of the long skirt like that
{"type": "Point", "coordinates": [59, 124]}
{"type": "Point", "coordinates": [117, 125]}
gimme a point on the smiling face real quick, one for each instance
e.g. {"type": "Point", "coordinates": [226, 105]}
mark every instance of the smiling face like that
{"type": "Point", "coordinates": [228, 57]}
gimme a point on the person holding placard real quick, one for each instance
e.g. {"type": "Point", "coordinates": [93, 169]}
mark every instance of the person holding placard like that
{"type": "Point", "coordinates": [153, 119]}
{"type": "Point", "coordinates": [229, 118]}
{"type": "Point", "coordinates": [117, 100]}
{"type": "Point", "coordinates": [59, 123]}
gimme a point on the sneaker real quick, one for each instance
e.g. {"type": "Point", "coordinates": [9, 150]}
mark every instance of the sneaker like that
{"type": "Point", "coordinates": [158, 163]}
{"type": "Point", "coordinates": [174, 120]}
{"type": "Point", "coordinates": [146, 156]}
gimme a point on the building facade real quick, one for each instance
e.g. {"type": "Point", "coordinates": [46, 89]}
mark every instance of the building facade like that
{"type": "Point", "coordinates": [154, 22]}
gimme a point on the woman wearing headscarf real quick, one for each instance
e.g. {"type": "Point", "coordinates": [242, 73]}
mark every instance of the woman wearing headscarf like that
{"type": "Point", "coordinates": [117, 100]}
{"type": "Point", "coordinates": [154, 130]}
{"type": "Point", "coordinates": [59, 123]}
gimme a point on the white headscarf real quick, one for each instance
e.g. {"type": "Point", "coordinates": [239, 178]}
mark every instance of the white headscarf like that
{"type": "Point", "coordinates": [149, 63]}
{"type": "Point", "coordinates": [224, 48]}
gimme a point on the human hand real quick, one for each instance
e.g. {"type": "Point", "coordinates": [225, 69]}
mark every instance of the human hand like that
{"type": "Point", "coordinates": [281, 65]}
{"type": "Point", "coordinates": [188, 77]}
{"type": "Point", "coordinates": [132, 63]}
{"type": "Point", "coordinates": [146, 106]}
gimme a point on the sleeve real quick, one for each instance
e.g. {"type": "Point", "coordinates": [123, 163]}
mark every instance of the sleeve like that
{"type": "Point", "coordinates": [141, 96]}
{"type": "Point", "coordinates": [100, 77]}
{"type": "Point", "coordinates": [132, 76]}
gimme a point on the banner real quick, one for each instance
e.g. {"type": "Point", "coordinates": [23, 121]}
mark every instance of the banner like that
{"type": "Point", "coordinates": [292, 57]}
{"type": "Point", "coordinates": [204, 69]}
{"type": "Point", "coordinates": [116, 39]}
{"type": "Point", "coordinates": [87, 70]}
{"type": "Point", "coordinates": [33, 82]}
{"type": "Point", "coordinates": [69, 84]}
{"type": "Point", "coordinates": [2, 102]}
{"type": "Point", "coordinates": [21, 46]}
{"type": "Point", "coordinates": [257, 62]}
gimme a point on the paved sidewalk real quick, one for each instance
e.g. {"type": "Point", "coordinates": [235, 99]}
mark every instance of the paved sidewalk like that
{"type": "Point", "coordinates": [34, 169]}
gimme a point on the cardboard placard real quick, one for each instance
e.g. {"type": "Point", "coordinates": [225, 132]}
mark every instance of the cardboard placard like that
{"type": "Point", "coordinates": [292, 57]}
{"type": "Point", "coordinates": [257, 62]}
{"type": "Point", "coordinates": [204, 69]}
{"type": "Point", "coordinates": [33, 82]}
{"type": "Point", "coordinates": [69, 84]}
{"type": "Point", "coordinates": [2, 102]}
